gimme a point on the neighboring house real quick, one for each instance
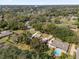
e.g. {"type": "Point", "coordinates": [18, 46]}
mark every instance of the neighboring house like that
{"type": "Point", "coordinates": [73, 27]}
{"type": "Point", "coordinates": [5, 33]}
{"type": "Point", "coordinates": [59, 44]}
{"type": "Point", "coordinates": [74, 18]}
{"type": "Point", "coordinates": [77, 53]}
{"type": "Point", "coordinates": [27, 26]}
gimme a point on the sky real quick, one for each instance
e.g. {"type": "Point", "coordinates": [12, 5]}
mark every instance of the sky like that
{"type": "Point", "coordinates": [39, 2]}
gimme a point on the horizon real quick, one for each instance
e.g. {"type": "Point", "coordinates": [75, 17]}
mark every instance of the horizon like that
{"type": "Point", "coordinates": [39, 2]}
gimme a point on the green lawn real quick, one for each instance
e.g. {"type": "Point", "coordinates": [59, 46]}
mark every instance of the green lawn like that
{"type": "Point", "coordinates": [3, 39]}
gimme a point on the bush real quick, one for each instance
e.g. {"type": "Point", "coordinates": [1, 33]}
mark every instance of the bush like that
{"type": "Point", "coordinates": [38, 45]}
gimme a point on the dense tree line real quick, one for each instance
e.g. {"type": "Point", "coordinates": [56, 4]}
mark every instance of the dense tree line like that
{"type": "Point", "coordinates": [11, 25]}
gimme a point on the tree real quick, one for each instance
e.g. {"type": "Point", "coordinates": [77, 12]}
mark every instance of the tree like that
{"type": "Point", "coordinates": [38, 45]}
{"type": "Point", "coordinates": [24, 37]}
{"type": "Point", "coordinates": [12, 24]}
{"type": "Point", "coordinates": [20, 25]}
{"type": "Point", "coordinates": [3, 24]}
{"type": "Point", "coordinates": [37, 26]}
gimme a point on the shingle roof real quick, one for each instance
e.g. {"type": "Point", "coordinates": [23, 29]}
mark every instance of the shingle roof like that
{"type": "Point", "coordinates": [59, 44]}
{"type": "Point", "coordinates": [77, 53]}
{"type": "Point", "coordinates": [5, 33]}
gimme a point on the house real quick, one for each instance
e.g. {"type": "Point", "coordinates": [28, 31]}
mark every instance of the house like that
{"type": "Point", "coordinates": [77, 53]}
{"type": "Point", "coordinates": [59, 44]}
{"type": "Point", "coordinates": [36, 35]}
{"type": "Point", "coordinates": [46, 38]}
{"type": "Point", "coordinates": [5, 33]}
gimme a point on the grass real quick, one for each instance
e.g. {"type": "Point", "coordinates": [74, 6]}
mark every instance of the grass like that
{"type": "Point", "coordinates": [3, 39]}
{"type": "Point", "coordinates": [32, 31]}
{"type": "Point", "coordinates": [23, 46]}
{"type": "Point", "coordinates": [49, 52]}
{"type": "Point", "coordinates": [19, 31]}
{"type": "Point", "coordinates": [9, 41]}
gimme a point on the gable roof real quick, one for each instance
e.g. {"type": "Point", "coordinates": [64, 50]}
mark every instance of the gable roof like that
{"type": "Point", "coordinates": [59, 44]}
{"type": "Point", "coordinates": [5, 33]}
{"type": "Point", "coordinates": [77, 53]}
